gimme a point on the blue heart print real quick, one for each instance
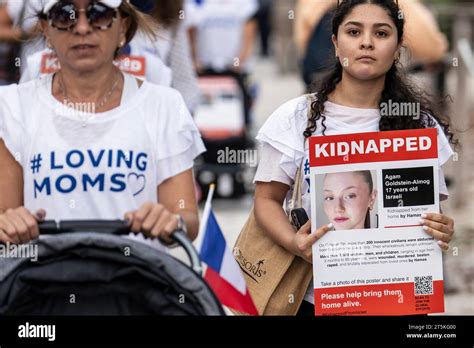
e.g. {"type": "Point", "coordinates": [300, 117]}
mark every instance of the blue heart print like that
{"type": "Point", "coordinates": [133, 183]}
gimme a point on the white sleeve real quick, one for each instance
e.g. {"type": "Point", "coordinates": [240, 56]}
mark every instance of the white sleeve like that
{"type": "Point", "coordinates": [250, 8]}
{"type": "Point", "coordinates": [443, 188]}
{"type": "Point", "coordinates": [444, 148]}
{"type": "Point", "coordinates": [444, 153]}
{"type": "Point", "coordinates": [283, 130]}
{"type": "Point", "coordinates": [177, 140]}
{"type": "Point", "coordinates": [269, 167]}
{"type": "Point", "coordinates": [11, 129]}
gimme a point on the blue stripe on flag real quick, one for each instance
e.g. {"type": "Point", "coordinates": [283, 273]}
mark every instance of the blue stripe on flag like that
{"type": "Point", "coordinates": [213, 245]}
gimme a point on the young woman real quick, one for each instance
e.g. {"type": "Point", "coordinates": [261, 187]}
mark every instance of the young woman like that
{"type": "Point", "coordinates": [90, 142]}
{"type": "Point", "coordinates": [348, 199]}
{"type": "Point", "coordinates": [367, 36]}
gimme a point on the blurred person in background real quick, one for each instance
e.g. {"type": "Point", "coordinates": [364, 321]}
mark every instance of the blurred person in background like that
{"type": "Point", "coordinates": [7, 35]}
{"type": "Point", "coordinates": [425, 46]}
{"type": "Point", "coordinates": [312, 35]}
{"type": "Point", "coordinates": [172, 45]}
{"type": "Point", "coordinates": [264, 18]}
{"type": "Point", "coordinates": [423, 38]}
{"type": "Point", "coordinates": [282, 40]}
{"type": "Point", "coordinates": [224, 34]}
{"type": "Point", "coordinates": [11, 34]}
{"type": "Point", "coordinates": [8, 32]}
{"type": "Point", "coordinates": [22, 14]}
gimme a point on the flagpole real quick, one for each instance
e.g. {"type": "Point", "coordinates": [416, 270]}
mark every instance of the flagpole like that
{"type": "Point", "coordinates": [210, 195]}
{"type": "Point", "coordinates": [207, 209]}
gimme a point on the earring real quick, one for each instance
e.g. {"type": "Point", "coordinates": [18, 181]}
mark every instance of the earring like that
{"type": "Point", "coordinates": [121, 44]}
{"type": "Point", "coordinates": [48, 44]}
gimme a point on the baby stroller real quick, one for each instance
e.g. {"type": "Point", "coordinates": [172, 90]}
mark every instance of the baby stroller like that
{"type": "Point", "coordinates": [224, 119]}
{"type": "Point", "coordinates": [102, 273]}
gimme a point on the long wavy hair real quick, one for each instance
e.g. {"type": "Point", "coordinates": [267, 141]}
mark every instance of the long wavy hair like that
{"type": "Point", "coordinates": [396, 88]}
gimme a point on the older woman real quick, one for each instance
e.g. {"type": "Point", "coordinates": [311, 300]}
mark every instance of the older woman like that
{"type": "Point", "coordinates": [90, 142]}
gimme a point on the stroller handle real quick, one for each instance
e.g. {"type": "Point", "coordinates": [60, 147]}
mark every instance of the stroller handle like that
{"type": "Point", "coordinates": [116, 227]}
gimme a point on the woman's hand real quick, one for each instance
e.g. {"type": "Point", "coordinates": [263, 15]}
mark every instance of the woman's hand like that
{"type": "Point", "coordinates": [19, 226]}
{"type": "Point", "coordinates": [440, 227]}
{"type": "Point", "coordinates": [153, 220]}
{"type": "Point", "coordinates": [303, 240]}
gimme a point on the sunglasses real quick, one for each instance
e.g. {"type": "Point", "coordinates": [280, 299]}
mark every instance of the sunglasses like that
{"type": "Point", "coordinates": [64, 16]}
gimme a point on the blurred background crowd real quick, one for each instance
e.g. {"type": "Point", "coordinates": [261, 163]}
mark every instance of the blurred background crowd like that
{"type": "Point", "coordinates": [236, 61]}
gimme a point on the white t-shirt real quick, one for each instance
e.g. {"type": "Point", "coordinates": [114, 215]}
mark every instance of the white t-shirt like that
{"type": "Point", "coordinates": [220, 25]}
{"type": "Point", "coordinates": [282, 145]}
{"type": "Point", "coordinates": [101, 170]}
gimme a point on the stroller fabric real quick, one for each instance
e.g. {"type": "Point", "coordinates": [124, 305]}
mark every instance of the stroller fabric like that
{"type": "Point", "coordinates": [99, 274]}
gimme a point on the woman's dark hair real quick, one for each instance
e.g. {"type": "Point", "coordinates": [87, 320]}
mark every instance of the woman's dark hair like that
{"type": "Point", "coordinates": [396, 90]}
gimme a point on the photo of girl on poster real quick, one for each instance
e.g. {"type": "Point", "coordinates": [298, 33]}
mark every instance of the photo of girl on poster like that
{"type": "Point", "coordinates": [347, 200]}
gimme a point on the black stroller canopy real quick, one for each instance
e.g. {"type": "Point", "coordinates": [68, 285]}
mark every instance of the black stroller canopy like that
{"type": "Point", "coordinates": [99, 274]}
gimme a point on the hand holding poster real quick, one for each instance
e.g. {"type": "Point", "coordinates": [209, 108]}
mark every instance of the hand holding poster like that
{"type": "Point", "coordinates": [374, 188]}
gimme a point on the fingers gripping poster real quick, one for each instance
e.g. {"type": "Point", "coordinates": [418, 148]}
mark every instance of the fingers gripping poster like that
{"type": "Point", "coordinates": [374, 187]}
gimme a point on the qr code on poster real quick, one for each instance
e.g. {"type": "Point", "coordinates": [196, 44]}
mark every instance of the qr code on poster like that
{"type": "Point", "coordinates": [424, 285]}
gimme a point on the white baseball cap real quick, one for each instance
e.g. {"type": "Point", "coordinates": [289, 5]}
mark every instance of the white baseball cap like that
{"type": "Point", "coordinates": [48, 4]}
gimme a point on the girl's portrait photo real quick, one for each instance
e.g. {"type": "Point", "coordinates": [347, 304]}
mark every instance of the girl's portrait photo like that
{"type": "Point", "coordinates": [348, 200]}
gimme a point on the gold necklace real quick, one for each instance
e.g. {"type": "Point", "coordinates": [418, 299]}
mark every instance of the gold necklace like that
{"type": "Point", "coordinates": [68, 103]}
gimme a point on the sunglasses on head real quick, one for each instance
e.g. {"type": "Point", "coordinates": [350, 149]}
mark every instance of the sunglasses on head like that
{"type": "Point", "coordinates": [64, 16]}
